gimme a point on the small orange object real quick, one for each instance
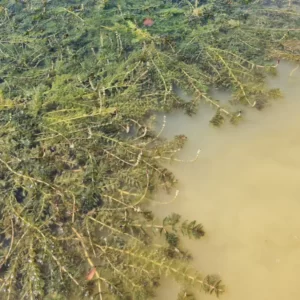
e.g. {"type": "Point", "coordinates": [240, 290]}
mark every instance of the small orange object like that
{"type": "Point", "coordinates": [91, 274]}
{"type": "Point", "coordinates": [148, 22]}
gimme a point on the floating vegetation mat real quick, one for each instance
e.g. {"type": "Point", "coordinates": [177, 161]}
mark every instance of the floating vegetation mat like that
{"type": "Point", "coordinates": [80, 82]}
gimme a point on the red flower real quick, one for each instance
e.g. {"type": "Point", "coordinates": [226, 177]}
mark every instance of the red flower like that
{"type": "Point", "coordinates": [148, 22]}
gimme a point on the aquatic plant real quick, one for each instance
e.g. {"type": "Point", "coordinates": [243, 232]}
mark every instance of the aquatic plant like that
{"type": "Point", "coordinates": [79, 156]}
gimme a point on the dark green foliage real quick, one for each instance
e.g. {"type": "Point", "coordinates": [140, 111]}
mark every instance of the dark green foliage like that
{"type": "Point", "coordinates": [79, 158]}
{"type": "Point", "coordinates": [218, 119]}
{"type": "Point", "coordinates": [213, 284]}
{"type": "Point", "coordinates": [191, 229]}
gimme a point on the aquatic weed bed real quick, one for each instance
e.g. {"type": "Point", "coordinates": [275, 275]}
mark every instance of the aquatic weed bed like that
{"type": "Point", "coordinates": [79, 159]}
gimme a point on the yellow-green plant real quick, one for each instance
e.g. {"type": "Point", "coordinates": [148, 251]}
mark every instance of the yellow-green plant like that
{"type": "Point", "coordinates": [79, 158]}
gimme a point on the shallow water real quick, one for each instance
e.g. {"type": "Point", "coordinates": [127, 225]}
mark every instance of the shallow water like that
{"type": "Point", "coordinates": [245, 189]}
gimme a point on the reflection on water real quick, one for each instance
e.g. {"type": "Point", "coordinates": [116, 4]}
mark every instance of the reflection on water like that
{"type": "Point", "coordinates": [245, 190]}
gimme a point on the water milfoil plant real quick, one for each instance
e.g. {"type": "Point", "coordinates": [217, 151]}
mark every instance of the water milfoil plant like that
{"type": "Point", "coordinates": [79, 157]}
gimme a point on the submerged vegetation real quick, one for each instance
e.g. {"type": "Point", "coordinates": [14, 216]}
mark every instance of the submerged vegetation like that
{"type": "Point", "coordinates": [79, 158]}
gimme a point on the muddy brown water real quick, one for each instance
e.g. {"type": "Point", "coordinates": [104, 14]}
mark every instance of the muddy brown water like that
{"type": "Point", "coordinates": [245, 189]}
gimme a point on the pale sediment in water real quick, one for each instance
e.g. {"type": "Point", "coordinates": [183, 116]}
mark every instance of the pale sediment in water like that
{"type": "Point", "coordinates": [245, 189]}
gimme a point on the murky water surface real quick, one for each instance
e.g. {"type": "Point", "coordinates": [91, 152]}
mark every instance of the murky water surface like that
{"type": "Point", "coordinates": [245, 189]}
